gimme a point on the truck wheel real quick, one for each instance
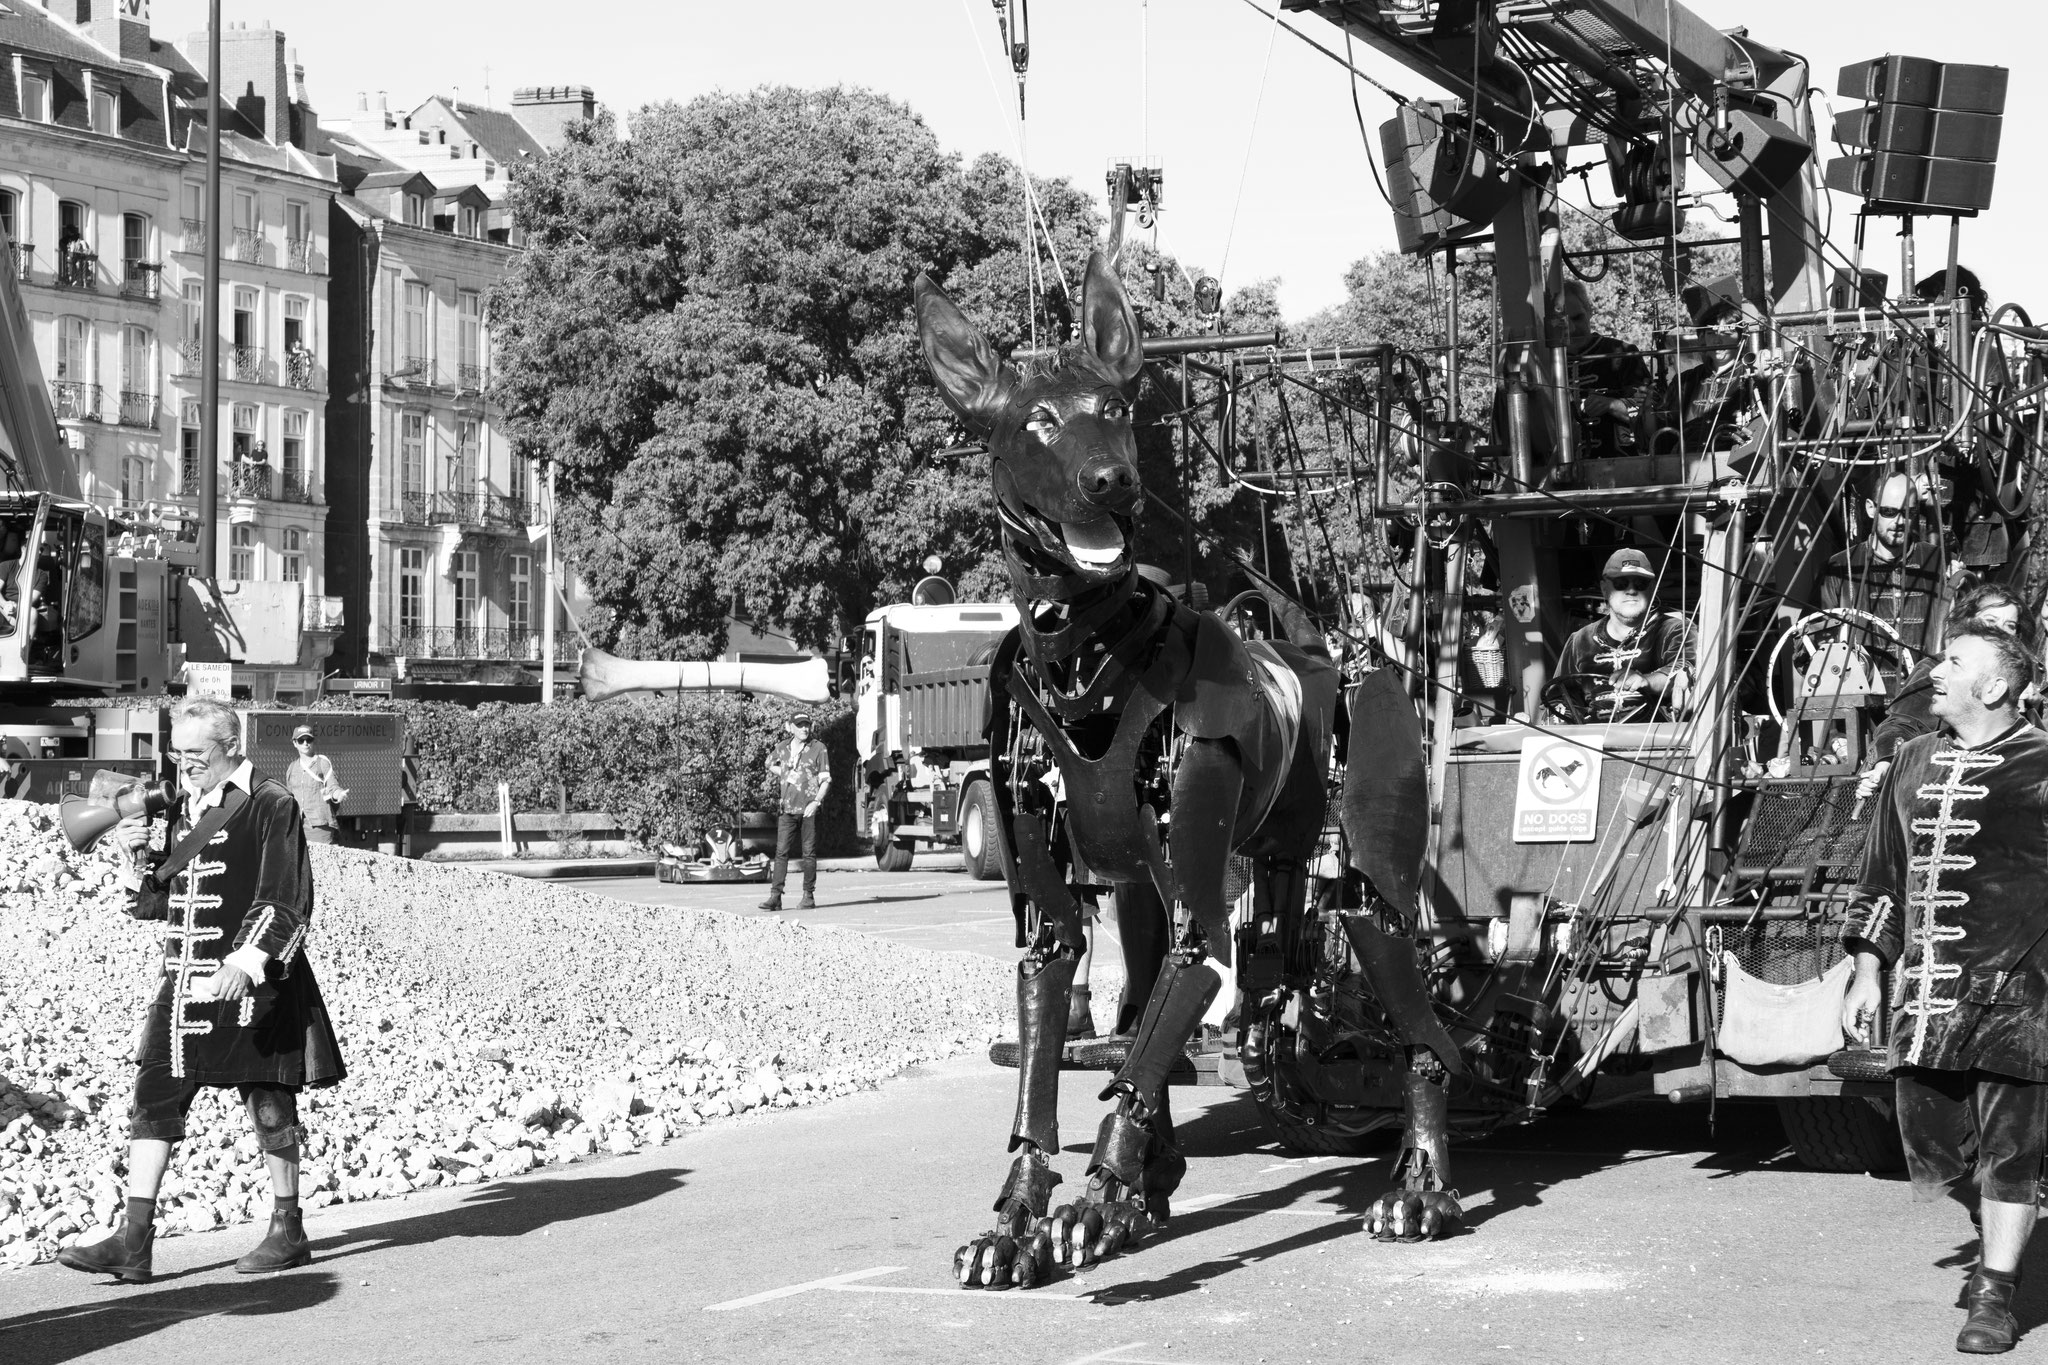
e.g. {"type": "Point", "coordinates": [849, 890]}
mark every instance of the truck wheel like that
{"type": "Point", "coordinates": [894, 855]}
{"type": "Point", "coordinates": [1842, 1133]}
{"type": "Point", "coordinates": [979, 847]}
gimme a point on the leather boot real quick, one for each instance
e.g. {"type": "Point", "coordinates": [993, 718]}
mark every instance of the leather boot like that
{"type": "Point", "coordinates": [283, 1247]}
{"type": "Point", "coordinates": [1991, 1328]}
{"type": "Point", "coordinates": [809, 902]}
{"type": "Point", "coordinates": [774, 902]}
{"type": "Point", "coordinates": [1080, 1019]}
{"type": "Point", "coordinates": [125, 1254]}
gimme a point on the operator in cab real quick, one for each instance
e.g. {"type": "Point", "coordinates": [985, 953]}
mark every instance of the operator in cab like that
{"type": "Point", "coordinates": [1607, 374]}
{"type": "Point", "coordinates": [1633, 664]}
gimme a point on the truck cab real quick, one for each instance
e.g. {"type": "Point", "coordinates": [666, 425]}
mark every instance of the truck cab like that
{"type": "Point", "coordinates": [82, 610]}
{"type": "Point", "coordinates": [921, 698]}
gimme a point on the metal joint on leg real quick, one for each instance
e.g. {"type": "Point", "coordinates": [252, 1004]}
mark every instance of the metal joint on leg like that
{"type": "Point", "coordinates": [1120, 1146]}
{"type": "Point", "coordinates": [1030, 1184]}
{"type": "Point", "coordinates": [1179, 1000]}
{"type": "Point", "coordinates": [1042, 997]}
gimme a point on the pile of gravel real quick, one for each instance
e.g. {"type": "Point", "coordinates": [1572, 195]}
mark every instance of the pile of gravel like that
{"type": "Point", "coordinates": [491, 1025]}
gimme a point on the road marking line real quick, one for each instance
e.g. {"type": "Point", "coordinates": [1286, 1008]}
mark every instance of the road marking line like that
{"type": "Point", "coordinates": [1204, 1201]}
{"type": "Point", "coordinates": [828, 1282]}
{"type": "Point", "coordinates": [1111, 1354]}
{"type": "Point", "coordinates": [1297, 1163]}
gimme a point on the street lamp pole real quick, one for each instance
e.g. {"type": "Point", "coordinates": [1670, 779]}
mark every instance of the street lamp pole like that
{"type": "Point", "coordinates": [209, 327]}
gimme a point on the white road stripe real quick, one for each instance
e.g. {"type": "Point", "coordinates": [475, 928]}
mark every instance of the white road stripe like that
{"type": "Point", "coordinates": [955, 1292]}
{"type": "Point", "coordinates": [788, 1290]}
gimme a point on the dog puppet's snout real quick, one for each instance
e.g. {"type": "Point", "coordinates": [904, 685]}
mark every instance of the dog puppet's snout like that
{"type": "Point", "coordinates": [1108, 480]}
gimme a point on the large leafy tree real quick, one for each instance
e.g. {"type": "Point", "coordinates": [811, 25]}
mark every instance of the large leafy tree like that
{"type": "Point", "coordinates": [709, 336]}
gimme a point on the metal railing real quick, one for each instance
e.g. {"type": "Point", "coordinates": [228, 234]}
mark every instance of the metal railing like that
{"type": "Point", "coordinates": [78, 270]}
{"type": "Point", "coordinates": [247, 246]}
{"type": "Point", "coordinates": [142, 280]}
{"type": "Point", "coordinates": [247, 480]}
{"type": "Point", "coordinates": [247, 364]}
{"type": "Point", "coordinates": [300, 372]}
{"type": "Point", "coordinates": [487, 511]}
{"type": "Point", "coordinates": [472, 642]}
{"type": "Point", "coordinates": [191, 358]}
{"type": "Point", "coordinates": [469, 378]}
{"type": "Point", "coordinates": [194, 233]}
{"type": "Point", "coordinates": [294, 486]}
{"type": "Point", "coordinates": [75, 402]}
{"type": "Point", "coordinates": [298, 255]}
{"type": "Point", "coordinates": [140, 409]}
{"type": "Point", "coordinates": [413, 369]}
{"type": "Point", "coordinates": [24, 259]}
{"type": "Point", "coordinates": [188, 477]}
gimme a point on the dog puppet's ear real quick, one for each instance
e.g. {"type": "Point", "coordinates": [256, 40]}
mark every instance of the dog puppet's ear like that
{"type": "Point", "coordinates": [1109, 328]}
{"type": "Point", "coordinates": [970, 377]}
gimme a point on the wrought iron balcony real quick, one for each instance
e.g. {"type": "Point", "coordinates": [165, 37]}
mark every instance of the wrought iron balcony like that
{"type": "Point", "coordinates": [188, 477]}
{"type": "Point", "coordinates": [247, 246]}
{"type": "Point", "coordinates": [191, 358]}
{"type": "Point", "coordinates": [195, 233]}
{"type": "Point", "coordinates": [24, 259]}
{"type": "Point", "coordinates": [247, 364]}
{"type": "Point", "coordinates": [246, 480]}
{"type": "Point", "coordinates": [142, 280]}
{"type": "Point", "coordinates": [78, 269]}
{"type": "Point", "coordinates": [75, 402]}
{"type": "Point", "coordinates": [472, 642]}
{"type": "Point", "coordinates": [300, 372]}
{"type": "Point", "coordinates": [294, 486]}
{"type": "Point", "coordinates": [483, 511]}
{"type": "Point", "coordinates": [469, 378]}
{"type": "Point", "coordinates": [140, 409]}
{"type": "Point", "coordinates": [298, 255]}
{"type": "Point", "coordinates": [413, 369]}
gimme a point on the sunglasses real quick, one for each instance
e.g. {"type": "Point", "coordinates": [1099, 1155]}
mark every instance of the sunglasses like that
{"type": "Point", "coordinates": [303, 739]}
{"type": "Point", "coordinates": [1884, 511]}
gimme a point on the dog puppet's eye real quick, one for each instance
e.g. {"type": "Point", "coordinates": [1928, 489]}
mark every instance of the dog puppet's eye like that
{"type": "Point", "coordinates": [1116, 410]}
{"type": "Point", "coordinates": [1043, 423]}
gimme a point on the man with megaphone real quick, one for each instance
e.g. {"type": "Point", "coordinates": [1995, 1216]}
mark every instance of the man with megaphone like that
{"type": "Point", "coordinates": [238, 1005]}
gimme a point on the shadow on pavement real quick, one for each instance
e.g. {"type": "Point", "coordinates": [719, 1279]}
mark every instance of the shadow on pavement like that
{"type": "Point", "coordinates": [512, 1209]}
{"type": "Point", "coordinates": [60, 1334]}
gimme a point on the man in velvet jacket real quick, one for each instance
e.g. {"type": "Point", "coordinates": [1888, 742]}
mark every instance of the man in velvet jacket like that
{"type": "Point", "coordinates": [1954, 899]}
{"type": "Point", "coordinates": [238, 1005]}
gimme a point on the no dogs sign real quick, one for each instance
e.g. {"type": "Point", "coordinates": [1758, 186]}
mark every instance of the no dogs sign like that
{"type": "Point", "coordinates": [1557, 800]}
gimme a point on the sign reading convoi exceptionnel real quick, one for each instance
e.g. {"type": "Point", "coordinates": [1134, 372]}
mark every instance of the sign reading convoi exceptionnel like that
{"type": "Point", "coordinates": [1557, 799]}
{"type": "Point", "coordinates": [366, 747]}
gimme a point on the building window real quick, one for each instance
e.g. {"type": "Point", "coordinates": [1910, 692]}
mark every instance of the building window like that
{"type": "Point", "coordinates": [292, 564]}
{"type": "Point", "coordinates": [412, 464]}
{"type": "Point", "coordinates": [138, 377]}
{"type": "Point", "coordinates": [247, 420]}
{"type": "Point", "coordinates": [463, 468]}
{"type": "Point", "coordinates": [194, 294]}
{"type": "Point", "coordinates": [468, 222]}
{"type": "Point", "coordinates": [416, 296]}
{"type": "Point", "coordinates": [35, 98]}
{"type": "Point", "coordinates": [247, 301]}
{"type": "Point", "coordinates": [519, 598]}
{"type": "Point", "coordinates": [188, 448]}
{"type": "Point", "coordinates": [298, 235]}
{"type": "Point", "coordinates": [412, 597]}
{"type": "Point", "coordinates": [520, 480]}
{"type": "Point", "coordinates": [298, 344]}
{"type": "Point", "coordinates": [247, 219]}
{"type": "Point", "coordinates": [74, 350]}
{"type": "Point", "coordinates": [134, 482]}
{"type": "Point", "coordinates": [294, 456]}
{"type": "Point", "coordinates": [464, 574]}
{"type": "Point", "coordinates": [75, 256]}
{"type": "Point", "coordinates": [470, 338]}
{"type": "Point", "coordinates": [10, 209]}
{"type": "Point", "coordinates": [106, 109]}
{"type": "Point", "coordinates": [415, 210]}
{"type": "Point", "coordinates": [242, 553]}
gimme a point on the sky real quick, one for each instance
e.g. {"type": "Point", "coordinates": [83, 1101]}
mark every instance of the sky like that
{"type": "Point", "coordinates": [1265, 174]}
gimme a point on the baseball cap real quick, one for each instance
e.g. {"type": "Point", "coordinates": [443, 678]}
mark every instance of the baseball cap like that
{"type": "Point", "coordinates": [1628, 564]}
{"type": "Point", "coordinates": [802, 722]}
{"type": "Point", "coordinates": [303, 732]}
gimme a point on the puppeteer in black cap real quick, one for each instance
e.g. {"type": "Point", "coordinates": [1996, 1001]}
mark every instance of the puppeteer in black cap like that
{"type": "Point", "coordinates": [1635, 662]}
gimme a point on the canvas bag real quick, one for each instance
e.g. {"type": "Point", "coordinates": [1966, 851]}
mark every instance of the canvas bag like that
{"type": "Point", "coordinates": [1767, 1025]}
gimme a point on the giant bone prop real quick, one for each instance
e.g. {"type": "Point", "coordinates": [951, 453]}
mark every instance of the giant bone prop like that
{"type": "Point", "coordinates": [1177, 744]}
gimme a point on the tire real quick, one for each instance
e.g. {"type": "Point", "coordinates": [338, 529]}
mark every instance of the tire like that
{"type": "Point", "coordinates": [1303, 1140]}
{"type": "Point", "coordinates": [894, 855]}
{"type": "Point", "coordinates": [979, 850]}
{"type": "Point", "coordinates": [1842, 1133]}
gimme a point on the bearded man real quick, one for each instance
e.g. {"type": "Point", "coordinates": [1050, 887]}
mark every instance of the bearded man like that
{"type": "Point", "coordinates": [238, 1005]}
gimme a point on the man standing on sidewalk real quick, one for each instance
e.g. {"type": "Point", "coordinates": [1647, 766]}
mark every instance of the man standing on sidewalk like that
{"type": "Point", "coordinates": [1952, 899]}
{"type": "Point", "coordinates": [802, 773]}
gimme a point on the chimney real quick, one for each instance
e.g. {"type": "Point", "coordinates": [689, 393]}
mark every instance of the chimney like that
{"type": "Point", "coordinates": [362, 101]}
{"type": "Point", "coordinates": [252, 74]}
{"type": "Point", "coordinates": [119, 26]}
{"type": "Point", "coordinates": [547, 111]}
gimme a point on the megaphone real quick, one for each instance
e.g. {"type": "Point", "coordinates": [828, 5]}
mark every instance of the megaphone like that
{"type": "Point", "coordinates": [111, 799]}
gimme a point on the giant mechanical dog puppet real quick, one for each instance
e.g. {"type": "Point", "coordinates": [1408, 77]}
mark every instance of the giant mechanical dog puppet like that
{"type": "Point", "coordinates": [1176, 744]}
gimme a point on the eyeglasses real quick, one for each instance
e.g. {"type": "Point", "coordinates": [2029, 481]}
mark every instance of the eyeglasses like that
{"type": "Point", "coordinates": [194, 755]}
{"type": "Point", "coordinates": [1884, 511]}
{"type": "Point", "coordinates": [303, 739]}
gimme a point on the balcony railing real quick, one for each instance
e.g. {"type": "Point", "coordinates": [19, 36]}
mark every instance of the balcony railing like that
{"type": "Point", "coordinates": [486, 511]}
{"type": "Point", "coordinates": [247, 364]}
{"type": "Point", "coordinates": [247, 246]}
{"type": "Point", "coordinates": [24, 259]}
{"type": "Point", "coordinates": [78, 269]}
{"type": "Point", "coordinates": [477, 642]}
{"type": "Point", "coordinates": [191, 358]}
{"type": "Point", "coordinates": [247, 480]}
{"type": "Point", "coordinates": [294, 486]}
{"type": "Point", "coordinates": [300, 372]}
{"type": "Point", "coordinates": [413, 369]}
{"type": "Point", "coordinates": [188, 478]}
{"type": "Point", "coordinates": [139, 409]}
{"type": "Point", "coordinates": [195, 233]}
{"type": "Point", "coordinates": [75, 402]}
{"type": "Point", "coordinates": [142, 280]}
{"type": "Point", "coordinates": [298, 255]}
{"type": "Point", "coordinates": [469, 378]}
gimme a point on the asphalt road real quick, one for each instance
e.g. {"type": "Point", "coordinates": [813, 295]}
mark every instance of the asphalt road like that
{"type": "Point", "coordinates": [1632, 1231]}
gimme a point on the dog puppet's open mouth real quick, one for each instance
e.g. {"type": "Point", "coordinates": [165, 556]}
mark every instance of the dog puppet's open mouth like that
{"type": "Point", "coordinates": [1098, 548]}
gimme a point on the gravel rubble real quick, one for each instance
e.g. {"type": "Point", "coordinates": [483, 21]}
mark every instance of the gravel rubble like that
{"type": "Point", "coordinates": [492, 1025]}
